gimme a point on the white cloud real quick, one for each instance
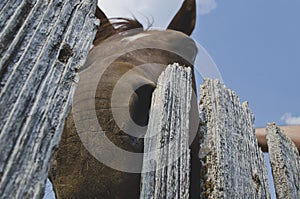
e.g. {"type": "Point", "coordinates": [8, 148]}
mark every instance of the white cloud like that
{"type": "Point", "coordinates": [289, 119]}
{"type": "Point", "coordinates": [206, 6]}
{"type": "Point", "coordinates": [160, 11]}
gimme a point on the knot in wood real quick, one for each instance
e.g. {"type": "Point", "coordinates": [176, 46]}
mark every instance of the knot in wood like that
{"type": "Point", "coordinates": [65, 53]}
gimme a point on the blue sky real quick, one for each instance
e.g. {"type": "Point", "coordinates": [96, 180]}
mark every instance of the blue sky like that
{"type": "Point", "coordinates": [255, 44]}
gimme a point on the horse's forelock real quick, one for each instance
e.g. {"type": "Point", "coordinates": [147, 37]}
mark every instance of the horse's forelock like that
{"type": "Point", "coordinates": [115, 26]}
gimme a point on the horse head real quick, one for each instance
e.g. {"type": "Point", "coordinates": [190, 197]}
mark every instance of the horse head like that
{"type": "Point", "coordinates": [118, 78]}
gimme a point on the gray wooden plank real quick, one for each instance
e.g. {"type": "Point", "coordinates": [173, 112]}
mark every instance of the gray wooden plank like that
{"type": "Point", "coordinates": [43, 43]}
{"type": "Point", "coordinates": [166, 163]}
{"type": "Point", "coordinates": [232, 165]}
{"type": "Point", "coordinates": [285, 163]}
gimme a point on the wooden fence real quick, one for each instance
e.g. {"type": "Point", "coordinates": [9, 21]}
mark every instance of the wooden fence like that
{"type": "Point", "coordinates": [43, 43]}
{"type": "Point", "coordinates": [232, 164]}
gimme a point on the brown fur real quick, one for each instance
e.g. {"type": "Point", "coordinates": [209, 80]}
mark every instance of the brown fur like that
{"type": "Point", "coordinates": [75, 173]}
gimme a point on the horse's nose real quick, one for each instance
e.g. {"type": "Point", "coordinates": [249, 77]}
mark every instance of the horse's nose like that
{"type": "Point", "coordinates": [140, 103]}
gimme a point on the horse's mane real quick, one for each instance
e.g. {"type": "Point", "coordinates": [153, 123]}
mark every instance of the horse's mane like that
{"type": "Point", "coordinates": [114, 26]}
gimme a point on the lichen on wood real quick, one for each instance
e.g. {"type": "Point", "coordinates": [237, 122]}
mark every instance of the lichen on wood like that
{"type": "Point", "coordinates": [285, 163]}
{"type": "Point", "coordinates": [232, 164]}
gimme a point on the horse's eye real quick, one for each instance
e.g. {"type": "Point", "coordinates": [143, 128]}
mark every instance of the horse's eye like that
{"type": "Point", "coordinates": [140, 104]}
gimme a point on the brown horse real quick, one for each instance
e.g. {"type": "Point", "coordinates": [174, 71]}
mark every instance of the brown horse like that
{"type": "Point", "coordinates": [118, 78]}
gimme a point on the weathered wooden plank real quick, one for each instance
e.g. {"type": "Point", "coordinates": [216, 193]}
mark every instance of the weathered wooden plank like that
{"type": "Point", "coordinates": [292, 132]}
{"type": "Point", "coordinates": [285, 162]}
{"type": "Point", "coordinates": [42, 45]}
{"type": "Point", "coordinates": [166, 163]}
{"type": "Point", "coordinates": [232, 164]}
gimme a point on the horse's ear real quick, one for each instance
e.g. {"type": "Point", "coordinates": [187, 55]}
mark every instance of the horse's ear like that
{"type": "Point", "coordinates": [105, 25]}
{"type": "Point", "coordinates": [185, 19]}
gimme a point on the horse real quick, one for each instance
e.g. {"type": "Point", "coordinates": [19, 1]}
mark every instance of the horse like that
{"type": "Point", "coordinates": [118, 68]}
{"type": "Point", "coordinates": [122, 67]}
